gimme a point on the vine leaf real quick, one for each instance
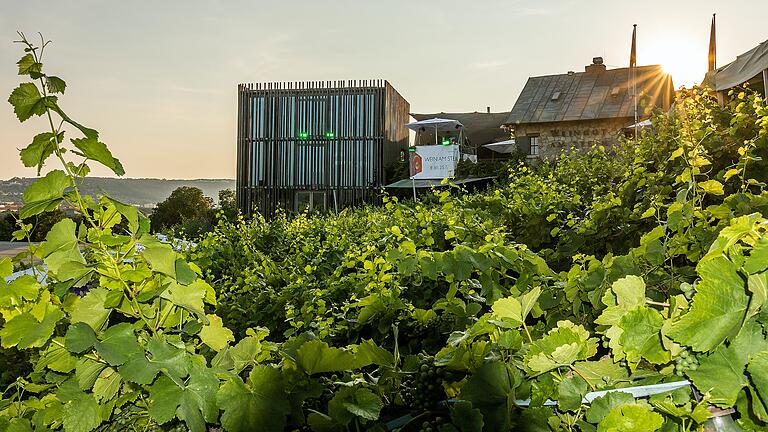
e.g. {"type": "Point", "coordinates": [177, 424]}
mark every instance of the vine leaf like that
{"type": "Point", "coordinates": [27, 101]}
{"type": "Point", "coordinates": [80, 337]}
{"type": "Point", "coordinates": [601, 406]}
{"type": "Point", "coordinates": [631, 417]}
{"type": "Point", "coordinates": [90, 309]}
{"type": "Point", "coordinates": [489, 390]}
{"type": "Point", "coordinates": [349, 402]}
{"type": "Point", "coordinates": [758, 371]}
{"type": "Point", "coordinates": [44, 194]}
{"type": "Point", "coordinates": [25, 331]}
{"type": "Point", "coordinates": [81, 412]}
{"type": "Point", "coordinates": [720, 374]}
{"type": "Point", "coordinates": [562, 346]}
{"type": "Point", "coordinates": [261, 402]}
{"type": "Point", "coordinates": [118, 344]}
{"type": "Point", "coordinates": [719, 306]}
{"type": "Point", "coordinates": [215, 335]}
{"type": "Point", "coordinates": [641, 337]}
{"type": "Point", "coordinates": [194, 403]}
{"type": "Point", "coordinates": [42, 147]}
{"type": "Point", "coordinates": [29, 66]}
{"type": "Point", "coordinates": [317, 357]}
{"type": "Point", "coordinates": [55, 84]}
{"type": "Point", "coordinates": [93, 149]}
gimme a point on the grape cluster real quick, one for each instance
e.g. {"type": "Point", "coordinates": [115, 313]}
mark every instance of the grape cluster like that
{"type": "Point", "coordinates": [433, 425]}
{"type": "Point", "coordinates": [425, 387]}
{"type": "Point", "coordinates": [685, 362]}
{"type": "Point", "coordinates": [687, 289]}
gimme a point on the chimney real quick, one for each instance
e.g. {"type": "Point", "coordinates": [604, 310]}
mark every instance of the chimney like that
{"type": "Point", "coordinates": [596, 66]}
{"type": "Point", "coordinates": [488, 110]}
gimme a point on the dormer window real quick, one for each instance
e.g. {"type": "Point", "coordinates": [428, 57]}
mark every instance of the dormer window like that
{"type": "Point", "coordinates": [615, 91]}
{"type": "Point", "coordinates": [555, 95]}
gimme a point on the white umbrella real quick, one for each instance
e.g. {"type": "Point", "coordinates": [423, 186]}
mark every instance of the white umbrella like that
{"type": "Point", "coordinates": [508, 146]}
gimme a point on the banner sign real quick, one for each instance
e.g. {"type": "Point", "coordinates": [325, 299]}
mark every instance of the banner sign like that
{"type": "Point", "coordinates": [434, 162]}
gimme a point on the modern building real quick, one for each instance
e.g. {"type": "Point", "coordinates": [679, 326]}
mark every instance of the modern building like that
{"type": "Point", "coordinates": [317, 145]}
{"type": "Point", "coordinates": [579, 109]}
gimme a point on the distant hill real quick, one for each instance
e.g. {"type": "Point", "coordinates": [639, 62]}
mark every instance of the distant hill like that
{"type": "Point", "coordinates": [145, 192]}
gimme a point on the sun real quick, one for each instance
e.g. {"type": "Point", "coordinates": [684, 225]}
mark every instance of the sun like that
{"type": "Point", "coordinates": [684, 60]}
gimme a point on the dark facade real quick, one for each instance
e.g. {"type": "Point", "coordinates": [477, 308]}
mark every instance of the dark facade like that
{"type": "Point", "coordinates": [317, 145]}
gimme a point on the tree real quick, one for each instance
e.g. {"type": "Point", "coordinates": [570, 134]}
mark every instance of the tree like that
{"type": "Point", "coordinates": [182, 206]}
{"type": "Point", "coordinates": [228, 204]}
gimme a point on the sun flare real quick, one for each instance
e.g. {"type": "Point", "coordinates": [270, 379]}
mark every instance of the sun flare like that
{"type": "Point", "coordinates": [684, 60]}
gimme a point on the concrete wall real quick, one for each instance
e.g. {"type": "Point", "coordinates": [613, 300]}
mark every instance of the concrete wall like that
{"type": "Point", "coordinates": [558, 136]}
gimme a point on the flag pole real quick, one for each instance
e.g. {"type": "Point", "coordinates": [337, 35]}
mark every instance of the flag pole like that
{"type": "Point", "coordinates": [633, 66]}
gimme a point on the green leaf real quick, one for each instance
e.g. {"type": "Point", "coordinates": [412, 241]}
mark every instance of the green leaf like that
{"type": "Point", "coordinates": [602, 373]}
{"type": "Point", "coordinates": [628, 293]}
{"type": "Point", "coordinates": [20, 290]}
{"type": "Point", "coordinates": [118, 343]}
{"type": "Point", "coordinates": [517, 309]}
{"type": "Point", "coordinates": [27, 101]}
{"type": "Point", "coordinates": [138, 369]}
{"type": "Point", "coordinates": [215, 335]}
{"type": "Point", "coordinates": [87, 372]}
{"type": "Point", "coordinates": [719, 306]}
{"type": "Point", "coordinates": [161, 257]}
{"type": "Point", "coordinates": [570, 393]}
{"type": "Point", "coordinates": [80, 337]}
{"type": "Point", "coordinates": [56, 358]}
{"type": "Point", "coordinates": [44, 194]}
{"type": "Point", "coordinates": [28, 65]}
{"type": "Point", "coordinates": [370, 353]}
{"type": "Point", "coordinates": [88, 132]}
{"type": "Point", "coordinates": [631, 417]}
{"type": "Point", "coordinates": [262, 402]}
{"type": "Point", "coordinates": [316, 356]}
{"type": "Point", "coordinates": [55, 84]}
{"type": "Point", "coordinates": [488, 389]}
{"type": "Point", "coordinates": [758, 285]}
{"type": "Point", "coordinates": [562, 346]}
{"type": "Point", "coordinates": [758, 371]}
{"type": "Point", "coordinates": [25, 331]}
{"type": "Point", "coordinates": [189, 297]}
{"type": "Point", "coordinates": [713, 187]}
{"type": "Point", "coordinates": [360, 402]}
{"type": "Point", "coordinates": [195, 403]}
{"type": "Point", "coordinates": [90, 309]}
{"type": "Point", "coordinates": [465, 417]}
{"type": "Point", "coordinates": [18, 425]}
{"type": "Point", "coordinates": [107, 385]}
{"type": "Point", "coordinates": [164, 398]}
{"type": "Point", "coordinates": [172, 360]}
{"type": "Point", "coordinates": [720, 374]}
{"type": "Point", "coordinates": [42, 147]}
{"type": "Point", "coordinates": [184, 274]}
{"type": "Point", "coordinates": [81, 412]}
{"type": "Point", "coordinates": [601, 406]}
{"type": "Point", "coordinates": [757, 261]}
{"type": "Point", "coordinates": [91, 148]}
{"type": "Point", "coordinates": [6, 268]}
{"type": "Point", "coordinates": [641, 337]}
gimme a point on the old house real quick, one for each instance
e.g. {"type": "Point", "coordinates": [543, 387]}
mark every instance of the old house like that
{"type": "Point", "coordinates": [317, 145]}
{"type": "Point", "coordinates": [579, 109]}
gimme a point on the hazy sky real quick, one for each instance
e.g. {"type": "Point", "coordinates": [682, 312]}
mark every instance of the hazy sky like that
{"type": "Point", "coordinates": [158, 78]}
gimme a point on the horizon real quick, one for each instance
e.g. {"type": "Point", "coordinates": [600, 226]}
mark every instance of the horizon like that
{"type": "Point", "coordinates": [161, 86]}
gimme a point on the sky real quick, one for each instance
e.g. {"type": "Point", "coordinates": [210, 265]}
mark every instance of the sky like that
{"type": "Point", "coordinates": [159, 79]}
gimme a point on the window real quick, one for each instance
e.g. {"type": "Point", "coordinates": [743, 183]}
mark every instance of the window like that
{"type": "Point", "coordinates": [534, 146]}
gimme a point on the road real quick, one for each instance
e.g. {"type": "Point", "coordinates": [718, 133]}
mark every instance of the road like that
{"type": "Point", "coordinates": [11, 249]}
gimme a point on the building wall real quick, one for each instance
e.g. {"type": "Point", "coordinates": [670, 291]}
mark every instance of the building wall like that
{"type": "Point", "coordinates": [556, 137]}
{"type": "Point", "coordinates": [327, 143]}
